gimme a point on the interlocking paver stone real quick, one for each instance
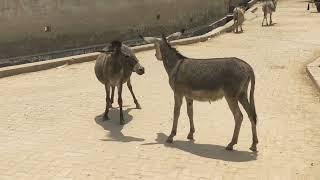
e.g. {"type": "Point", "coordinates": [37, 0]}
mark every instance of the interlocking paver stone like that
{"type": "Point", "coordinates": [50, 123]}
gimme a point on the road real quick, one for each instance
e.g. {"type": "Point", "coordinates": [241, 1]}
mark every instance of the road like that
{"type": "Point", "coordinates": [51, 126]}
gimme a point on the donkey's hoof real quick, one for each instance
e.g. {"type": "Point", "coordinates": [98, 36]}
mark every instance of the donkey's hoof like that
{"type": "Point", "coordinates": [170, 140]}
{"type": "Point", "coordinates": [253, 149]}
{"type": "Point", "coordinates": [122, 122]}
{"type": "Point", "coordinates": [229, 148]}
{"type": "Point", "coordinates": [138, 106]}
{"type": "Point", "coordinates": [190, 136]}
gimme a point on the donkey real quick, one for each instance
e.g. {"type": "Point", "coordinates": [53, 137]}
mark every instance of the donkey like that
{"type": "Point", "coordinates": [208, 80]}
{"type": "Point", "coordinates": [268, 7]}
{"type": "Point", "coordinates": [114, 69]}
{"type": "Point", "coordinates": [238, 18]}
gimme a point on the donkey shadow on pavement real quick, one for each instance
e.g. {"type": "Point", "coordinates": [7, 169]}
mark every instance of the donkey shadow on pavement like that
{"type": "Point", "coordinates": [113, 125]}
{"type": "Point", "coordinates": [206, 150]}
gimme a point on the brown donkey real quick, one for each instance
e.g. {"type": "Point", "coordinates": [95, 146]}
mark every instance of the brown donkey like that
{"type": "Point", "coordinates": [208, 80]}
{"type": "Point", "coordinates": [113, 68]}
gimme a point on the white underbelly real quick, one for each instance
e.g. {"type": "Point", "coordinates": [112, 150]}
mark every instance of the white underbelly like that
{"type": "Point", "coordinates": [115, 79]}
{"type": "Point", "coordinates": [114, 82]}
{"type": "Point", "coordinates": [202, 95]}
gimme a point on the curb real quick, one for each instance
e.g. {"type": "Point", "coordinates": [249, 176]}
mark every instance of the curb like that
{"type": "Point", "coordinates": [44, 65]}
{"type": "Point", "coordinates": [313, 70]}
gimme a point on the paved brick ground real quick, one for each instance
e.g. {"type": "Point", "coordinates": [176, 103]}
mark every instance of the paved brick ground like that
{"type": "Point", "coordinates": [50, 123]}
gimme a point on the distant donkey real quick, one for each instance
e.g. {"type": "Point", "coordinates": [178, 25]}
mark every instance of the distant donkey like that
{"type": "Point", "coordinates": [113, 68]}
{"type": "Point", "coordinates": [238, 18]}
{"type": "Point", "coordinates": [208, 80]}
{"type": "Point", "coordinates": [268, 7]}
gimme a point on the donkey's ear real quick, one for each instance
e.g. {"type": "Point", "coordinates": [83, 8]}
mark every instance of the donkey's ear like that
{"type": "Point", "coordinates": [149, 39]}
{"type": "Point", "coordinates": [115, 46]}
{"type": "Point", "coordinates": [175, 36]}
{"type": "Point", "coordinates": [163, 37]}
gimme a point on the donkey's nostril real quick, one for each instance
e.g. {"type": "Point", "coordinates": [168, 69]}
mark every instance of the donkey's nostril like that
{"type": "Point", "coordinates": [141, 70]}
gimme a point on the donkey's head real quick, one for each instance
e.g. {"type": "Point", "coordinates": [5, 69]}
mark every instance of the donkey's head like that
{"type": "Point", "coordinates": [275, 4]}
{"type": "Point", "coordinates": [160, 43]}
{"type": "Point", "coordinates": [123, 52]}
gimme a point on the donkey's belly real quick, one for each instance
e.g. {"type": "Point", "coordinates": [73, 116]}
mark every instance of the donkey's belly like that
{"type": "Point", "coordinates": [117, 79]}
{"type": "Point", "coordinates": [204, 95]}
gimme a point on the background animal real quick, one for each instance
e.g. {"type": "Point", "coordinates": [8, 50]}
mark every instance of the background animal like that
{"type": "Point", "coordinates": [268, 7]}
{"type": "Point", "coordinates": [238, 18]}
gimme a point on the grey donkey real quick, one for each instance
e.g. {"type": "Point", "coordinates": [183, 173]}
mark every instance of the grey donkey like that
{"type": "Point", "coordinates": [113, 68]}
{"type": "Point", "coordinates": [208, 80]}
{"type": "Point", "coordinates": [268, 7]}
{"type": "Point", "coordinates": [238, 18]}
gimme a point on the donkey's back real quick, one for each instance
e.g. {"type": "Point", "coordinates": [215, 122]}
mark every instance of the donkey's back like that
{"type": "Point", "coordinates": [112, 71]}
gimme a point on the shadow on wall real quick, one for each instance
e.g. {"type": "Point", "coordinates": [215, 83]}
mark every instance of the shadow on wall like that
{"type": "Point", "coordinates": [206, 150]}
{"type": "Point", "coordinates": [114, 127]}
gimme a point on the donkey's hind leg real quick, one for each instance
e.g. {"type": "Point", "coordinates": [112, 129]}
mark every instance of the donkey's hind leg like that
{"type": "Point", "coordinates": [108, 102]}
{"type": "Point", "coordinates": [264, 19]}
{"type": "Point", "coordinates": [134, 97]}
{"type": "Point", "coordinates": [245, 103]}
{"type": "Point", "coordinates": [238, 117]}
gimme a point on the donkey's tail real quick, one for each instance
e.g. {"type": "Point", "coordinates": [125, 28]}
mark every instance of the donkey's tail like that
{"type": "Point", "coordinates": [253, 107]}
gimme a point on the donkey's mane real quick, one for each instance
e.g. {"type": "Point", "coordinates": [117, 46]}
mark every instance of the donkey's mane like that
{"type": "Point", "coordinates": [175, 50]}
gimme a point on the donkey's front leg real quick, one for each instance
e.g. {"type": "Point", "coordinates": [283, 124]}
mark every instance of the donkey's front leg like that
{"type": "Point", "coordinates": [108, 102]}
{"type": "Point", "coordinates": [190, 114]}
{"type": "Point", "coordinates": [270, 19]}
{"type": "Point", "coordinates": [112, 96]}
{"type": "Point", "coordinates": [120, 103]}
{"type": "Point", "coordinates": [177, 107]}
{"type": "Point", "coordinates": [134, 97]}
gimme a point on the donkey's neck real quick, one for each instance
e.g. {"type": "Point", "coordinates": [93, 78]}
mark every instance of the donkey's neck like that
{"type": "Point", "coordinates": [171, 60]}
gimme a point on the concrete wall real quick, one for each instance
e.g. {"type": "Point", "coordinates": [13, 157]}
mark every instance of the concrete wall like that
{"type": "Point", "coordinates": [79, 23]}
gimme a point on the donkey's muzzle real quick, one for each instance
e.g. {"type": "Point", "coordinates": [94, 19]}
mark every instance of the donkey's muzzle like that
{"type": "Point", "coordinates": [140, 70]}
